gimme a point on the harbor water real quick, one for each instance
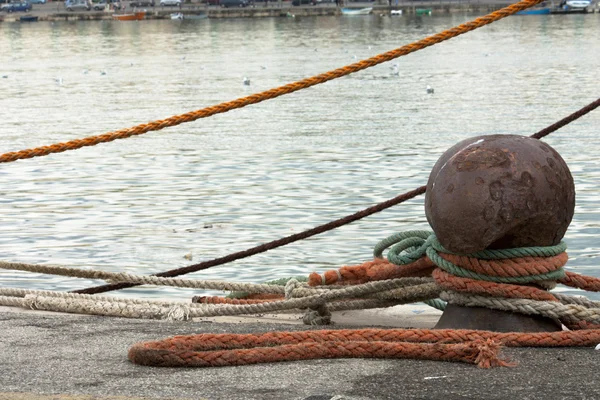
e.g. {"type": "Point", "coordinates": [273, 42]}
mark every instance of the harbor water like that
{"type": "Point", "coordinates": [235, 180]}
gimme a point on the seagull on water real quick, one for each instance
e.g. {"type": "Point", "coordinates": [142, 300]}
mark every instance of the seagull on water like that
{"type": "Point", "coordinates": [246, 81]}
{"type": "Point", "coordinates": [58, 80]}
{"type": "Point", "coordinates": [429, 89]}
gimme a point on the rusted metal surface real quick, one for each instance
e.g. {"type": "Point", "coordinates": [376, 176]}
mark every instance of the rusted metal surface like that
{"type": "Point", "coordinates": [499, 191]}
{"type": "Point", "coordinates": [459, 317]}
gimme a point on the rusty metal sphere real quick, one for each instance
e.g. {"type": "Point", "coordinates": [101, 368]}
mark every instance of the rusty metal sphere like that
{"type": "Point", "coordinates": [499, 191]}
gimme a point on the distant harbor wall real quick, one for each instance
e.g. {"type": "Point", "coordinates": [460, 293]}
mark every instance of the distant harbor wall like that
{"type": "Point", "coordinates": [284, 9]}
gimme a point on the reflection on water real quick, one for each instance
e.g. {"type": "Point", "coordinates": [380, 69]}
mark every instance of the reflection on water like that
{"type": "Point", "coordinates": [235, 180]}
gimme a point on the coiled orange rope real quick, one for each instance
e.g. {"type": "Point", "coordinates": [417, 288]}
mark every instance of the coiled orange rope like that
{"type": "Point", "coordinates": [272, 93]}
{"type": "Point", "coordinates": [472, 346]}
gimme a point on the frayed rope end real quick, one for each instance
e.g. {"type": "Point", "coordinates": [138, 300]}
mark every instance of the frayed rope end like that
{"type": "Point", "coordinates": [487, 354]}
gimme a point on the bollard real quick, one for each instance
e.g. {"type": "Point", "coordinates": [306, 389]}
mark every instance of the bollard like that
{"type": "Point", "coordinates": [495, 192]}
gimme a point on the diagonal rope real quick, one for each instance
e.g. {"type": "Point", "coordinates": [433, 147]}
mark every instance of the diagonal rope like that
{"type": "Point", "coordinates": [266, 246]}
{"type": "Point", "coordinates": [321, 228]}
{"type": "Point", "coordinates": [567, 120]}
{"type": "Point", "coordinates": [275, 92]}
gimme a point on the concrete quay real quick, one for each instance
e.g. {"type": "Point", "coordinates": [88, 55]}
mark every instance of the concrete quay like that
{"type": "Point", "coordinates": [52, 356]}
{"type": "Point", "coordinates": [55, 11]}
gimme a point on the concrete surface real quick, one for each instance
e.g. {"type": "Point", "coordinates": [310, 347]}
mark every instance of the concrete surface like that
{"type": "Point", "coordinates": [50, 356]}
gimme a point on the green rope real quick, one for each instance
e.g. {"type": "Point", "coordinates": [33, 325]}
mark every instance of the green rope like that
{"type": "Point", "coordinates": [501, 254]}
{"type": "Point", "coordinates": [465, 273]}
{"type": "Point", "coordinates": [409, 246]}
{"type": "Point", "coordinates": [436, 303]}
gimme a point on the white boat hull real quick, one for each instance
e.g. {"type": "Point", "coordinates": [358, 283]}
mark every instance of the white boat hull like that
{"type": "Point", "coordinates": [578, 3]}
{"type": "Point", "coordinates": [361, 11]}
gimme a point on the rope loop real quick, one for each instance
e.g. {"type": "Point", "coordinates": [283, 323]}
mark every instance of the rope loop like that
{"type": "Point", "coordinates": [409, 246]}
{"type": "Point", "coordinates": [290, 286]}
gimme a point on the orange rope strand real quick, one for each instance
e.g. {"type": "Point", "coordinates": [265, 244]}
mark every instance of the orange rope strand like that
{"type": "Point", "coordinates": [478, 347]}
{"type": "Point", "coordinates": [509, 267]}
{"type": "Point", "coordinates": [376, 270]}
{"type": "Point", "coordinates": [466, 285]}
{"type": "Point", "coordinates": [581, 281]}
{"type": "Point", "coordinates": [271, 93]}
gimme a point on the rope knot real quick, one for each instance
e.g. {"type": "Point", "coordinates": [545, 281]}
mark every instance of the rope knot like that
{"type": "Point", "coordinates": [290, 286]}
{"type": "Point", "coordinates": [178, 313]}
{"type": "Point", "coordinates": [317, 315]}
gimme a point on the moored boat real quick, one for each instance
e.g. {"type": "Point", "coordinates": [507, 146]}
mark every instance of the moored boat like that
{"type": "Point", "coordinates": [357, 11]}
{"type": "Point", "coordinates": [535, 11]}
{"type": "Point", "coordinates": [423, 11]}
{"type": "Point", "coordinates": [139, 15]}
{"type": "Point", "coordinates": [178, 16]}
{"type": "Point", "coordinates": [578, 3]}
{"type": "Point", "coordinates": [28, 18]}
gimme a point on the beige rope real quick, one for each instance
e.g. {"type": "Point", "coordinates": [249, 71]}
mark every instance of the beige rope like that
{"type": "Point", "coordinates": [384, 293]}
{"type": "Point", "coordinates": [302, 289]}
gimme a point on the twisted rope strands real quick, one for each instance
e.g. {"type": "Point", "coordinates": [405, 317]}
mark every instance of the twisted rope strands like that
{"type": "Point", "coordinates": [581, 281]}
{"type": "Point", "coordinates": [268, 246]}
{"type": "Point", "coordinates": [473, 286]}
{"type": "Point", "coordinates": [484, 354]}
{"type": "Point", "coordinates": [381, 294]}
{"type": "Point", "coordinates": [223, 349]}
{"type": "Point", "coordinates": [140, 279]}
{"type": "Point", "coordinates": [118, 308]}
{"type": "Point", "coordinates": [292, 289]}
{"type": "Point", "coordinates": [378, 269]}
{"type": "Point", "coordinates": [275, 92]}
{"type": "Point", "coordinates": [465, 273]}
{"type": "Point", "coordinates": [509, 267]}
{"type": "Point", "coordinates": [582, 301]}
{"type": "Point", "coordinates": [208, 341]}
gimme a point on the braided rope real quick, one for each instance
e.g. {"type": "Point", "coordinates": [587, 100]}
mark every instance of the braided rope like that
{"type": "Point", "coordinates": [275, 92]}
{"type": "Point", "coordinates": [463, 272]}
{"type": "Point", "coordinates": [297, 296]}
{"type": "Point", "coordinates": [513, 267]}
{"type": "Point", "coordinates": [210, 350]}
{"type": "Point", "coordinates": [183, 352]}
{"type": "Point", "coordinates": [142, 279]}
{"type": "Point", "coordinates": [474, 286]}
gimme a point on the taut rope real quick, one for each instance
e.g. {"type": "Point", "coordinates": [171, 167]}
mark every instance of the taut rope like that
{"type": "Point", "coordinates": [325, 227]}
{"type": "Point", "coordinates": [275, 92]}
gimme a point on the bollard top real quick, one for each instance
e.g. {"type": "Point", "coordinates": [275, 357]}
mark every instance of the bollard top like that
{"type": "Point", "coordinates": [499, 191]}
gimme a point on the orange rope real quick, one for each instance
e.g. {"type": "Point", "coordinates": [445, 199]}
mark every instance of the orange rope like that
{"type": "Point", "coordinates": [509, 267]}
{"type": "Point", "coordinates": [466, 285]}
{"type": "Point", "coordinates": [272, 93]}
{"type": "Point", "coordinates": [473, 346]}
{"type": "Point", "coordinates": [583, 282]}
{"type": "Point", "coordinates": [376, 270]}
